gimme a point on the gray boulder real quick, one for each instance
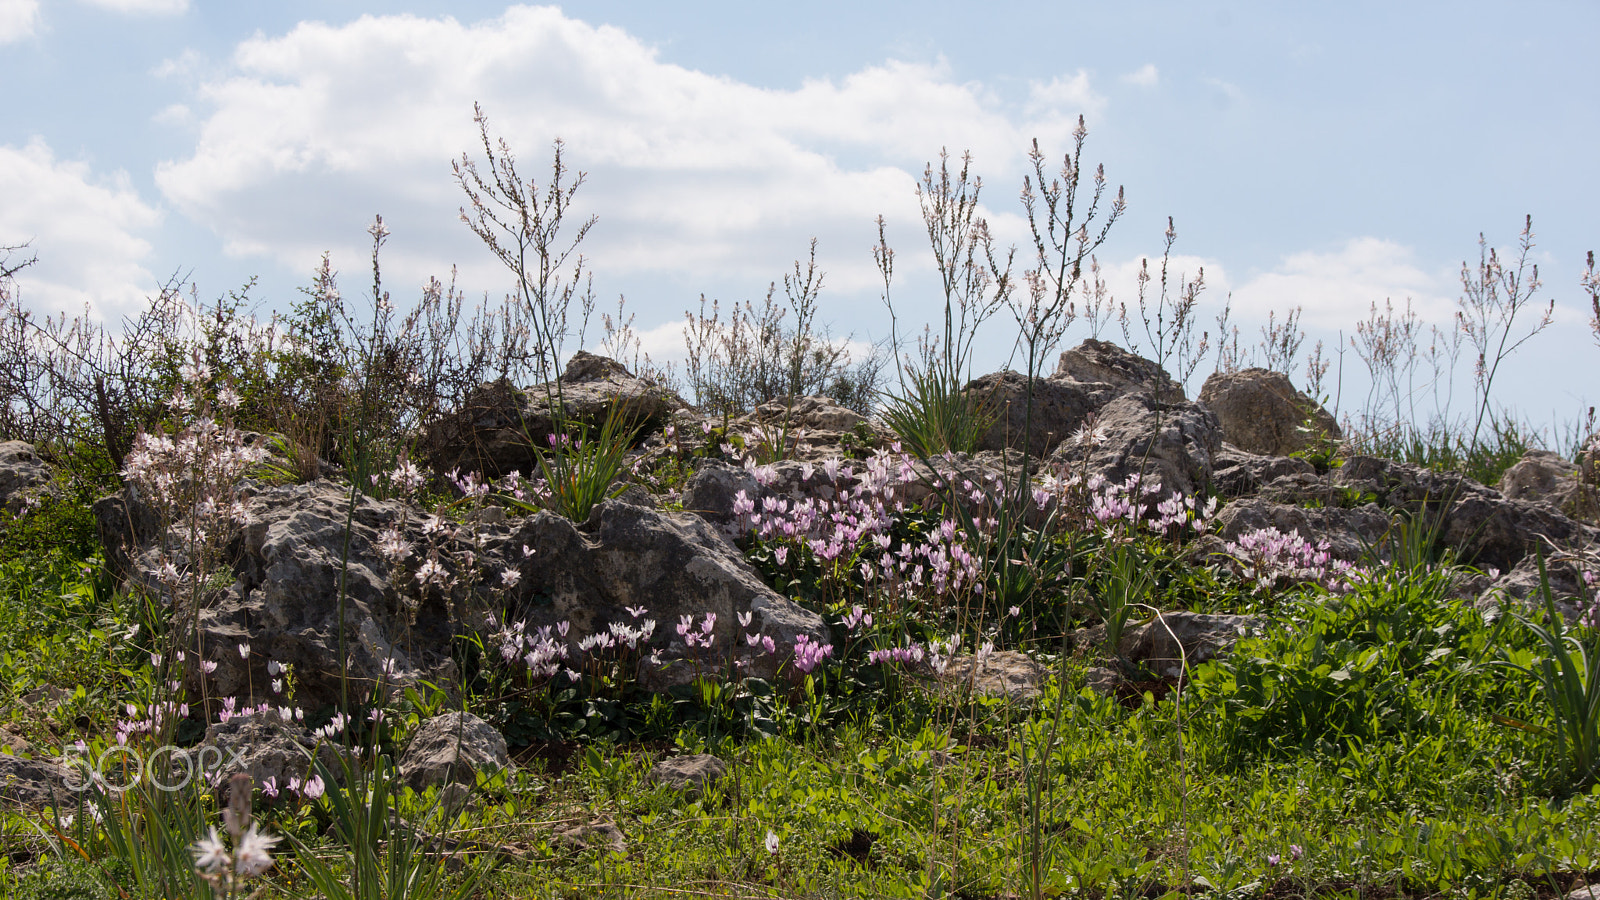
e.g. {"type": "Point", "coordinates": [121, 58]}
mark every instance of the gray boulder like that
{"type": "Point", "coordinates": [712, 489]}
{"type": "Point", "coordinates": [1238, 473]}
{"type": "Point", "coordinates": [1103, 362]}
{"type": "Point", "coordinates": [125, 524]}
{"type": "Point", "coordinates": [284, 600]}
{"type": "Point", "coordinates": [1060, 408]}
{"type": "Point", "coordinates": [1349, 532]}
{"type": "Point", "coordinates": [1484, 527]}
{"type": "Point", "coordinates": [263, 747]}
{"type": "Point", "coordinates": [1001, 673]}
{"type": "Point", "coordinates": [692, 775]}
{"type": "Point", "coordinates": [809, 415]}
{"type": "Point", "coordinates": [1260, 411]}
{"type": "Point", "coordinates": [1165, 643]}
{"type": "Point", "coordinates": [499, 427]}
{"type": "Point", "coordinates": [34, 779]}
{"type": "Point", "coordinates": [451, 749]}
{"type": "Point", "coordinates": [1519, 589]}
{"type": "Point", "coordinates": [673, 564]}
{"type": "Point", "coordinates": [21, 473]}
{"type": "Point", "coordinates": [1545, 477]}
{"type": "Point", "coordinates": [1172, 442]}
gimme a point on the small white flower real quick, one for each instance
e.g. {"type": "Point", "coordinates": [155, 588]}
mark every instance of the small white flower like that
{"type": "Point", "coordinates": [210, 856]}
{"type": "Point", "coordinates": [254, 852]}
{"type": "Point", "coordinates": [772, 841]}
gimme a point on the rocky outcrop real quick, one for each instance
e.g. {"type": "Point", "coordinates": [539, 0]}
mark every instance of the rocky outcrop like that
{"type": "Point", "coordinates": [499, 427]}
{"type": "Point", "coordinates": [1000, 673]}
{"type": "Point", "coordinates": [32, 778]}
{"type": "Point", "coordinates": [1483, 526]}
{"type": "Point", "coordinates": [1261, 412]}
{"type": "Point", "coordinates": [808, 415]}
{"type": "Point", "coordinates": [1545, 477]}
{"type": "Point", "coordinates": [1060, 408]}
{"type": "Point", "coordinates": [452, 749]}
{"type": "Point", "coordinates": [1236, 473]}
{"type": "Point", "coordinates": [1102, 362]}
{"type": "Point", "coordinates": [265, 747]}
{"type": "Point", "coordinates": [285, 604]}
{"type": "Point", "coordinates": [1350, 533]}
{"type": "Point", "coordinates": [22, 473]}
{"type": "Point", "coordinates": [1174, 443]}
{"type": "Point", "coordinates": [672, 564]}
{"type": "Point", "coordinates": [125, 524]}
{"type": "Point", "coordinates": [1166, 643]}
{"type": "Point", "coordinates": [712, 490]}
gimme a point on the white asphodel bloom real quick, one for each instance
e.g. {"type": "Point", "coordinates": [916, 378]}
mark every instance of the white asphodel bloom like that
{"type": "Point", "coordinates": [254, 852]}
{"type": "Point", "coordinates": [210, 856]}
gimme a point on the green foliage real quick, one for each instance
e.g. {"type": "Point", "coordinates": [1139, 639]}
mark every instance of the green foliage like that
{"type": "Point", "coordinates": [388, 856]}
{"type": "Point", "coordinates": [934, 415]}
{"type": "Point", "coordinates": [580, 470]}
{"type": "Point", "coordinates": [63, 879]}
{"type": "Point", "coordinates": [1381, 663]}
{"type": "Point", "coordinates": [149, 832]}
{"type": "Point", "coordinates": [1568, 675]}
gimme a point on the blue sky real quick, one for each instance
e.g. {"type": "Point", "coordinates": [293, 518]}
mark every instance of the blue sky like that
{"type": "Point", "coordinates": [1312, 155]}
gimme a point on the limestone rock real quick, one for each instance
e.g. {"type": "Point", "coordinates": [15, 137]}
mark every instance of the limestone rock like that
{"type": "Point", "coordinates": [1001, 673]}
{"type": "Point", "coordinates": [673, 564]}
{"type": "Point", "coordinates": [263, 747]}
{"type": "Point", "coordinates": [1485, 527]}
{"type": "Point", "coordinates": [808, 414]}
{"type": "Point", "coordinates": [125, 523]}
{"type": "Point", "coordinates": [285, 599]}
{"type": "Point", "coordinates": [31, 778]}
{"type": "Point", "coordinates": [1349, 532]}
{"type": "Point", "coordinates": [692, 775]}
{"type": "Point", "coordinates": [1165, 643]}
{"type": "Point", "coordinates": [451, 749]}
{"type": "Point", "coordinates": [21, 472]}
{"type": "Point", "coordinates": [1260, 411]}
{"type": "Point", "coordinates": [499, 427]}
{"type": "Point", "coordinates": [711, 491]}
{"type": "Point", "coordinates": [1238, 473]}
{"type": "Point", "coordinates": [1103, 362]}
{"type": "Point", "coordinates": [603, 835]}
{"type": "Point", "coordinates": [1171, 442]}
{"type": "Point", "coordinates": [1060, 408]}
{"type": "Point", "coordinates": [1545, 477]}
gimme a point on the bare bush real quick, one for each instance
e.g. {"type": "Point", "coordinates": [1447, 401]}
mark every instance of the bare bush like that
{"type": "Point", "coordinates": [523, 226]}
{"type": "Point", "coordinates": [317, 375]}
{"type": "Point", "coordinates": [755, 356]}
{"type": "Point", "coordinates": [1170, 317]}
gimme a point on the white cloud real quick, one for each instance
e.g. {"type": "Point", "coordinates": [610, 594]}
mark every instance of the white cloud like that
{"type": "Point", "coordinates": [143, 7]}
{"type": "Point", "coordinates": [84, 229]}
{"type": "Point", "coordinates": [1065, 96]}
{"type": "Point", "coordinates": [1338, 288]}
{"type": "Point", "coordinates": [1146, 75]}
{"type": "Point", "coordinates": [185, 64]}
{"type": "Point", "coordinates": [18, 18]}
{"type": "Point", "coordinates": [312, 132]}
